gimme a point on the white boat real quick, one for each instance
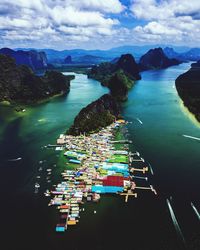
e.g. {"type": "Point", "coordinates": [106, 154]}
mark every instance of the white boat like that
{"type": "Point", "coordinates": [37, 185]}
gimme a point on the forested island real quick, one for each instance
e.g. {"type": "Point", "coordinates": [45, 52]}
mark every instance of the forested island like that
{"type": "Point", "coordinates": [188, 87]}
{"type": "Point", "coordinates": [156, 59]}
{"type": "Point", "coordinates": [19, 85]}
{"type": "Point", "coordinates": [119, 77]}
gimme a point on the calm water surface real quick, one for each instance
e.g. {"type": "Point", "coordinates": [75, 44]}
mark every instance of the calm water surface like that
{"type": "Point", "coordinates": [144, 223]}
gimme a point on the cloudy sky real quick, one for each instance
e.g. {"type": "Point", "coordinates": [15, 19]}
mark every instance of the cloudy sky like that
{"type": "Point", "coordinates": [101, 24]}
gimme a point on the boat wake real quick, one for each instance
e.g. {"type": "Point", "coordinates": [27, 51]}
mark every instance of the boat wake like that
{"type": "Point", "coordinates": [175, 222]}
{"type": "Point", "coordinates": [17, 159]}
{"type": "Point", "coordinates": [151, 169]}
{"type": "Point", "coordinates": [195, 210]}
{"type": "Point", "coordinates": [192, 137]}
{"type": "Point", "coordinates": [139, 120]}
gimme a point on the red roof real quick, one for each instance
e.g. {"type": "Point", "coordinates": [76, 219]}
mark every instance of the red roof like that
{"type": "Point", "coordinates": [113, 180]}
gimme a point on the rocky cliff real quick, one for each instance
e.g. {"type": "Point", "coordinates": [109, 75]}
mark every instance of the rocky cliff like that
{"type": "Point", "coordinates": [156, 59]}
{"type": "Point", "coordinates": [68, 60]}
{"type": "Point", "coordinates": [96, 115]}
{"type": "Point", "coordinates": [18, 84]}
{"type": "Point", "coordinates": [33, 59]}
{"type": "Point", "coordinates": [188, 87]}
{"type": "Point", "coordinates": [119, 77]}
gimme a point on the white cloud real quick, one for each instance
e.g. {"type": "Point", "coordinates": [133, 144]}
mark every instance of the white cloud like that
{"type": "Point", "coordinates": [165, 9]}
{"type": "Point", "coordinates": [109, 6]}
{"type": "Point", "coordinates": [71, 16]}
{"type": "Point", "coordinates": [180, 30]}
{"type": "Point", "coordinates": [95, 23]}
{"type": "Point", "coordinates": [168, 21]}
{"type": "Point", "coordinates": [78, 20]}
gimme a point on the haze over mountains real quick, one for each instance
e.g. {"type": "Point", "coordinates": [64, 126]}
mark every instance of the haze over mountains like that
{"type": "Point", "coordinates": [82, 56]}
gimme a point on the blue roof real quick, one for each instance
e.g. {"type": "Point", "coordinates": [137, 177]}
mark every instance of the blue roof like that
{"type": "Point", "coordinates": [106, 189]}
{"type": "Point", "coordinates": [60, 229]}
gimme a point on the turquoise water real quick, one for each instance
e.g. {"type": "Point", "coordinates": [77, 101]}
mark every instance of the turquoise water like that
{"type": "Point", "coordinates": [155, 102]}
{"type": "Point", "coordinates": [143, 223]}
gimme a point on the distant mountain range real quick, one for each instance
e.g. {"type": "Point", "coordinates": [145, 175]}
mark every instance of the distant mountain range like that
{"type": "Point", "coordinates": [46, 58]}
{"type": "Point", "coordinates": [190, 55]}
{"type": "Point", "coordinates": [82, 56]}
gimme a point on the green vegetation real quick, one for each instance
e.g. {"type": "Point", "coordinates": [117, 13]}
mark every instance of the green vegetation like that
{"type": "Point", "coordinates": [97, 122]}
{"type": "Point", "coordinates": [118, 77]}
{"type": "Point", "coordinates": [188, 87]}
{"type": "Point", "coordinates": [119, 85]}
{"type": "Point", "coordinates": [95, 116]}
{"type": "Point", "coordinates": [19, 85]}
{"type": "Point", "coordinates": [102, 72]}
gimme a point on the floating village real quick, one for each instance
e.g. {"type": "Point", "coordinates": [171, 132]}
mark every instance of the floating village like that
{"type": "Point", "coordinates": [102, 164]}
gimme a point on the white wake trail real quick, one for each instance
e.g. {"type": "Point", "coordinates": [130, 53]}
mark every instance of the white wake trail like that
{"type": "Point", "coordinates": [195, 210]}
{"type": "Point", "coordinates": [175, 222]}
{"type": "Point", "coordinates": [192, 137]}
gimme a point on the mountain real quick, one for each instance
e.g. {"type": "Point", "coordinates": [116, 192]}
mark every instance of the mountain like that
{"type": "Point", "coordinates": [33, 59]}
{"type": "Point", "coordinates": [78, 55]}
{"type": "Point", "coordinates": [156, 59]}
{"type": "Point", "coordinates": [171, 53]}
{"type": "Point", "coordinates": [18, 84]}
{"type": "Point", "coordinates": [190, 55]}
{"type": "Point", "coordinates": [68, 60]}
{"type": "Point", "coordinates": [188, 87]}
{"type": "Point", "coordinates": [119, 85]}
{"type": "Point", "coordinates": [95, 116]}
{"type": "Point", "coordinates": [118, 77]}
{"type": "Point", "coordinates": [129, 66]}
{"type": "Point", "coordinates": [57, 57]}
{"type": "Point", "coordinates": [104, 71]}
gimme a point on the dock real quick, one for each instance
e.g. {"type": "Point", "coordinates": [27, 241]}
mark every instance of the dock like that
{"type": "Point", "coordinates": [129, 193]}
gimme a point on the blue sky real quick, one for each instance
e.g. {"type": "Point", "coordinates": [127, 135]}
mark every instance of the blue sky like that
{"type": "Point", "coordinates": [98, 24]}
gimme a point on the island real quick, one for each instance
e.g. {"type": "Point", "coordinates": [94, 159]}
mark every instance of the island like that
{"type": "Point", "coordinates": [95, 116]}
{"type": "Point", "coordinates": [156, 59]}
{"type": "Point", "coordinates": [19, 85]}
{"type": "Point", "coordinates": [188, 88]}
{"type": "Point", "coordinates": [119, 76]}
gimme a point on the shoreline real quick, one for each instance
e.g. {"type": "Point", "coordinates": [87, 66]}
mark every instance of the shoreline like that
{"type": "Point", "coordinates": [96, 164]}
{"type": "Point", "coordinates": [188, 113]}
{"type": "Point", "coordinates": [15, 105]}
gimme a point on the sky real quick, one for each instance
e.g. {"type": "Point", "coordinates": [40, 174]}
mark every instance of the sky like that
{"type": "Point", "coordinates": [98, 24]}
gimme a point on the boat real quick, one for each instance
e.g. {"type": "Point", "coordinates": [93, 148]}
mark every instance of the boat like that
{"type": "Point", "coordinates": [37, 185]}
{"type": "Point", "coordinates": [47, 193]}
